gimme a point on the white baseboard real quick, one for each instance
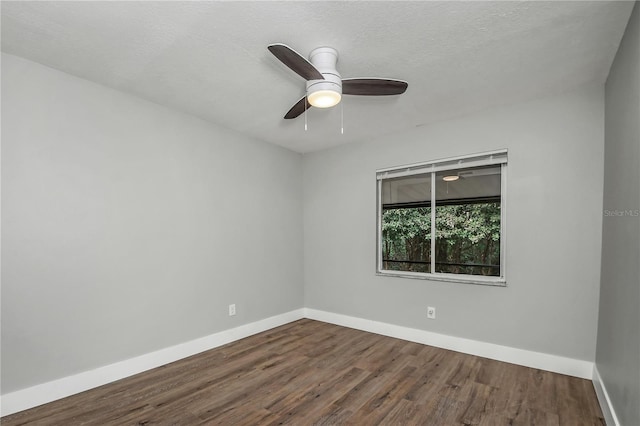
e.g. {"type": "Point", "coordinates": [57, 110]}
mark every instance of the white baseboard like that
{"type": "Point", "coordinates": [603, 398]}
{"type": "Point", "coordinates": [543, 361]}
{"type": "Point", "coordinates": [67, 386]}
{"type": "Point", "coordinates": [56, 389]}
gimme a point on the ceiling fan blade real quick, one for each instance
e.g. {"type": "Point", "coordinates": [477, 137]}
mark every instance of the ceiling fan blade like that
{"type": "Point", "coordinates": [298, 108]}
{"type": "Point", "coordinates": [373, 86]}
{"type": "Point", "coordinates": [295, 61]}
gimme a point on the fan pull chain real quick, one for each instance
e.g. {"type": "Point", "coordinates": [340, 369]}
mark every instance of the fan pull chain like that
{"type": "Point", "coordinates": [305, 113]}
{"type": "Point", "coordinates": [342, 118]}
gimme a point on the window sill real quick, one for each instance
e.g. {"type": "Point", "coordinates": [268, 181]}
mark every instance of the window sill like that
{"type": "Point", "coordinates": [468, 279]}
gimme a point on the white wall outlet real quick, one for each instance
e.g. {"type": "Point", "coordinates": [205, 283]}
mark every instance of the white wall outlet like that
{"type": "Point", "coordinates": [232, 309]}
{"type": "Point", "coordinates": [431, 312]}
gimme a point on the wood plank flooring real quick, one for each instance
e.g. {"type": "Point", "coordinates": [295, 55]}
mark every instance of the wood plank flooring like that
{"type": "Point", "coordinates": [312, 373]}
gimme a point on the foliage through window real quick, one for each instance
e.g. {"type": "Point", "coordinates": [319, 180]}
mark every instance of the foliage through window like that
{"type": "Point", "coordinates": [468, 219]}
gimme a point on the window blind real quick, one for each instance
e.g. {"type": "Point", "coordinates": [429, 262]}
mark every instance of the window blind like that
{"type": "Point", "coordinates": [475, 160]}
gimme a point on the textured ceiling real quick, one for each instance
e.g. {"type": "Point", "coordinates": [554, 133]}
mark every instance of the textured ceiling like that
{"type": "Point", "coordinates": [210, 58]}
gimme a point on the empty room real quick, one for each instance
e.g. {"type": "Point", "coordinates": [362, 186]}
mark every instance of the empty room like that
{"type": "Point", "coordinates": [320, 213]}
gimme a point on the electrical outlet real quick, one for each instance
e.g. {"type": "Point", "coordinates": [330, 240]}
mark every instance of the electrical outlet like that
{"type": "Point", "coordinates": [431, 312]}
{"type": "Point", "coordinates": [232, 309]}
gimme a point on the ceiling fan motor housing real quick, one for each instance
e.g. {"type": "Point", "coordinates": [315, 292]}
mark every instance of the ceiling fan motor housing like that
{"type": "Point", "coordinates": [325, 59]}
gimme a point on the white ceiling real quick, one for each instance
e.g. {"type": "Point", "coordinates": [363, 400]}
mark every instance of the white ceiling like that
{"type": "Point", "coordinates": [210, 59]}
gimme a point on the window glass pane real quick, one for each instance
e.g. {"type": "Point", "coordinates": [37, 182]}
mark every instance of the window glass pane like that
{"type": "Point", "coordinates": [468, 221]}
{"type": "Point", "coordinates": [406, 223]}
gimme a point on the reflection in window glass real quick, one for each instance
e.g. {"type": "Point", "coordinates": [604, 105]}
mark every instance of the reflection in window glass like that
{"type": "Point", "coordinates": [468, 221]}
{"type": "Point", "coordinates": [406, 224]}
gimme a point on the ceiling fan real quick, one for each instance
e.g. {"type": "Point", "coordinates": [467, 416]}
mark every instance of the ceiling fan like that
{"type": "Point", "coordinates": [325, 86]}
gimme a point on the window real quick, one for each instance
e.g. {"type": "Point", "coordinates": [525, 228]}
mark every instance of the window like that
{"type": "Point", "coordinates": [444, 219]}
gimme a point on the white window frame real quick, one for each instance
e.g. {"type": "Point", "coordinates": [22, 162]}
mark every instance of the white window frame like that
{"type": "Point", "coordinates": [473, 160]}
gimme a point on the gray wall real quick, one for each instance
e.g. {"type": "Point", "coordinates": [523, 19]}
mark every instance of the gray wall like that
{"type": "Point", "coordinates": [128, 227]}
{"type": "Point", "coordinates": [554, 222]}
{"type": "Point", "coordinates": [618, 350]}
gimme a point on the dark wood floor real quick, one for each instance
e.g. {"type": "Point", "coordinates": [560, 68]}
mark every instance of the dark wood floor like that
{"type": "Point", "coordinates": [309, 372]}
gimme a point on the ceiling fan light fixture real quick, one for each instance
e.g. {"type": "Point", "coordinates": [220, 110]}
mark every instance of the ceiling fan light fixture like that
{"type": "Point", "coordinates": [324, 84]}
{"type": "Point", "coordinates": [450, 178]}
{"type": "Point", "coordinates": [324, 98]}
{"type": "Point", "coordinates": [325, 93]}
